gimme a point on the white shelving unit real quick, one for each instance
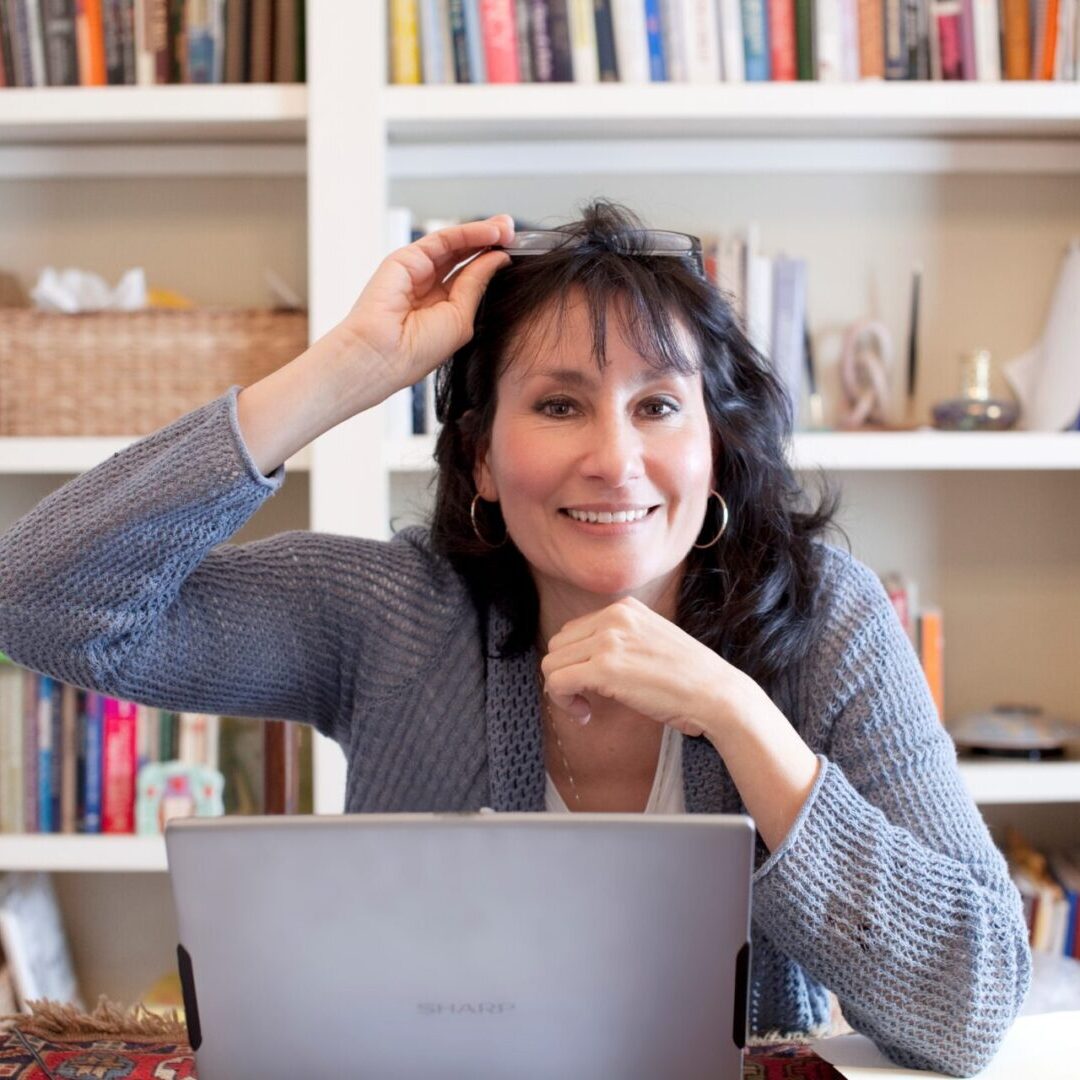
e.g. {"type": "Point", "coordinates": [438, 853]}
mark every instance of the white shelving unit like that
{"type": "Point", "coordinates": [985, 522]}
{"type": "Point", "coordinates": [858, 451]}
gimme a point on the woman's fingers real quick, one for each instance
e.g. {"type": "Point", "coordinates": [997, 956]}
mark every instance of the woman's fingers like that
{"type": "Point", "coordinates": [447, 247]}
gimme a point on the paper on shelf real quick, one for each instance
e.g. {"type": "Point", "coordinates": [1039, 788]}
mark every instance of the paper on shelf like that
{"type": "Point", "coordinates": [70, 291]}
{"type": "Point", "coordinates": [1046, 378]}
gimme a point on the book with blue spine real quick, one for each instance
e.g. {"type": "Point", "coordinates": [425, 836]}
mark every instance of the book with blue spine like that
{"type": "Point", "coordinates": [654, 33]}
{"type": "Point", "coordinates": [755, 23]}
{"type": "Point", "coordinates": [48, 756]}
{"type": "Point", "coordinates": [94, 712]}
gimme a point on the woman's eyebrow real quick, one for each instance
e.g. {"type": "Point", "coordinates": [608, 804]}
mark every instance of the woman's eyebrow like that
{"type": "Point", "coordinates": [575, 377]}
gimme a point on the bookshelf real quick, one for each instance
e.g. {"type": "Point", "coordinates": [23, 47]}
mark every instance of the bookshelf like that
{"type": "Point", "coordinates": [859, 178]}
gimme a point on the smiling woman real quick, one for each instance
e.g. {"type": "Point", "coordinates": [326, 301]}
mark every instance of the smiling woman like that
{"type": "Point", "coordinates": [622, 603]}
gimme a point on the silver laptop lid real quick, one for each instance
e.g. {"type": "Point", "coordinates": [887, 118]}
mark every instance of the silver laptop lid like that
{"type": "Point", "coordinates": [464, 945]}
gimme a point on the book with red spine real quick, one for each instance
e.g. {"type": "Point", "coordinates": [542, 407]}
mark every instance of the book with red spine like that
{"type": "Point", "coordinates": [781, 19]}
{"type": "Point", "coordinates": [118, 767]}
{"type": "Point", "coordinates": [498, 26]}
{"type": "Point", "coordinates": [948, 39]}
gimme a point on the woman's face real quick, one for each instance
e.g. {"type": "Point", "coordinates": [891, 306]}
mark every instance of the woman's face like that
{"type": "Point", "coordinates": [572, 445]}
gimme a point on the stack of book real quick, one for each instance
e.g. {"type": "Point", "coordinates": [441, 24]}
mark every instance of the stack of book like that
{"type": "Point", "coordinates": [637, 41]}
{"type": "Point", "coordinates": [1049, 885]}
{"type": "Point", "coordinates": [150, 42]}
{"type": "Point", "coordinates": [70, 758]}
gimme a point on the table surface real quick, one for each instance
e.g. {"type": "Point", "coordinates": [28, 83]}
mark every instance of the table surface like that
{"type": "Point", "coordinates": [1043, 1047]}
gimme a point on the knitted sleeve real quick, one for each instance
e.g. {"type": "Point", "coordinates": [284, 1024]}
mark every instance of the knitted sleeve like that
{"type": "Point", "coordinates": [888, 889]}
{"type": "Point", "coordinates": [121, 581]}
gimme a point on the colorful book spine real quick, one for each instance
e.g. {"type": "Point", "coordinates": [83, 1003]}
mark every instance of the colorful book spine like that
{"type": "Point", "coordinates": [949, 39]}
{"type": "Point", "coordinates": [755, 40]}
{"type": "Point", "coordinates": [782, 40]}
{"type": "Point", "coordinates": [404, 42]}
{"type": "Point", "coordinates": [654, 41]}
{"type": "Point", "coordinates": [932, 654]}
{"type": "Point", "coordinates": [871, 39]}
{"type": "Point", "coordinates": [1017, 38]}
{"type": "Point", "coordinates": [499, 29]}
{"type": "Point", "coordinates": [118, 768]}
{"type": "Point", "coordinates": [31, 817]}
{"type": "Point", "coordinates": [93, 735]}
{"type": "Point", "coordinates": [90, 37]}
{"type": "Point", "coordinates": [48, 754]}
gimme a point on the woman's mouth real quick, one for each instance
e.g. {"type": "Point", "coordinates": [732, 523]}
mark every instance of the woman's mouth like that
{"type": "Point", "coordinates": [628, 516]}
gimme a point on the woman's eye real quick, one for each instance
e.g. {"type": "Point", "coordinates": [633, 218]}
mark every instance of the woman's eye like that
{"type": "Point", "coordinates": [657, 408]}
{"type": "Point", "coordinates": [556, 407]}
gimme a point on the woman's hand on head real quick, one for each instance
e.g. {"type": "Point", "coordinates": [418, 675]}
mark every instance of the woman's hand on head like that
{"type": "Point", "coordinates": [409, 317]}
{"type": "Point", "coordinates": [628, 653]}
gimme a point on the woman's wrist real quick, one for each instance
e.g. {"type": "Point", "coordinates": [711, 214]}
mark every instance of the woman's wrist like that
{"type": "Point", "coordinates": [771, 766]}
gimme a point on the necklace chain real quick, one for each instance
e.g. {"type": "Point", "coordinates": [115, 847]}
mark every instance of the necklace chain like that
{"type": "Point", "coordinates": [558, 742]}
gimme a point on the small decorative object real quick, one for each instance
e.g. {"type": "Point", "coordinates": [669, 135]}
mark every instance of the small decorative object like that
{"type": "Point", "coordinates": [865, 371]}
{"type": "Point", "coordinates": [1046, 378]}
{"type": "Point", "coordinates": [173, 789]}
{"type": "Point", "coordinates": [1011, 730]}
{"type": "Point", "coordinates": [975, 409]}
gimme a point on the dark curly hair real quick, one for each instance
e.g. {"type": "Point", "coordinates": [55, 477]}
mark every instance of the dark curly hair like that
{"type": "Point", "coordinates": [751, 596]}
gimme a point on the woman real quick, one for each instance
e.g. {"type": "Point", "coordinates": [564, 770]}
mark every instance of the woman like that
{"type": "Point", "coordinates": [618, 607]}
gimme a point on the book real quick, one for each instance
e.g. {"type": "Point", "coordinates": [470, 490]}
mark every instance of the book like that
{"type": "Point", "coordinates": [931, 648]}
{"type": "Point", "coordinates": [58, 30]}
{"type": "Point", "coordinates": [871, 39]}
{"type": "Point", "coordinates": [789, 320]}
{"type": "Point", "coordinates": [436, 45]}
{"type": "Point", "coordinates": [118, 767]}
{"type": "Point", "coordinates": [11, 748]}
{"type": "Point", "coordinates": [584, 59]}
{"type": "Point", "coordinates": [404, 42]}
{"type": "Point", "coordinates": [755, 27]}
{"type": "Point", "coordinates": [783, 51]}
{"type": "Point", "coordinates": [90, 42]}
{"type": "Point", "coordinates": [632, 40]}
{"type": "Point", "coordinates": [498, 25]}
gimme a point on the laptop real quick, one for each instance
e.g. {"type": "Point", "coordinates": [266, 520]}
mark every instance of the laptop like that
{"type": "Point", "coordinates": [473, 946]}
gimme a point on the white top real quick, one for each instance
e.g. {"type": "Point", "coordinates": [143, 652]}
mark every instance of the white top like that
{"type": "Point", "coordinates": [667, 795]}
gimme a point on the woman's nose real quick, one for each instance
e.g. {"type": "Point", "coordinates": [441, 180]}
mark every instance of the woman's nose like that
{"type": "Point", "coordinates": [613, 453]}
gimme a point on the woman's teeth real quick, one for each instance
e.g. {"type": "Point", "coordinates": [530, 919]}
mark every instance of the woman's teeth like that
{"type": "Point", "coordinates": [607, 518]}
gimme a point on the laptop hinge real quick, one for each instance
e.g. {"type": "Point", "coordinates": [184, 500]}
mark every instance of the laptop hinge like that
{"type": "Point", "coordinates": [187, 987]}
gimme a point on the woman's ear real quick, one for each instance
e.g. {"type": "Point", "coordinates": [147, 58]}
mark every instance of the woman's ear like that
{"type": "Point", "coordinates": [482, 478]}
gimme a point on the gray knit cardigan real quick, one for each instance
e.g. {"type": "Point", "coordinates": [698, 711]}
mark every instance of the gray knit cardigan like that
{"type": "Point", "coordinates": [888, 889]}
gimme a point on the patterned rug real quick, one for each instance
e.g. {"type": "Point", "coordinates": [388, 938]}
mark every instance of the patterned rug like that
{"type": "Point", "coordinates": [114, 1044]}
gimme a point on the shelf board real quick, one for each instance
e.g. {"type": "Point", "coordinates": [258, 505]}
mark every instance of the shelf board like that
{"type": "Point", "coordinates": [990, 782]}
{"type": "Point", "coordinates": [265, 112]}
{"type": "Point", "coordinates": [110, 854]}
{"type": "Point", "coordinates": [1005, 781]}
{"type": "Point", "coordinates": [937, 450]}
{"type": "Point", "coordinates": [419, 114]}
{"type": "Point", "coordinates": [868, 451]}
{"type": "Point", "coordinates": [74, 454]}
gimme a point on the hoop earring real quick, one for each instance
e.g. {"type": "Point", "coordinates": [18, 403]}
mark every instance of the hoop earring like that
{"type": "Point", "coordinates": [723, 523]}
{"type": "Point", "coordinates": [476, 528]}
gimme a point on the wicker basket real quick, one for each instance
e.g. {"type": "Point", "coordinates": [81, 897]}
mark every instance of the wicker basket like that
{"type": "Point", "coordinates": [130, 373]}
